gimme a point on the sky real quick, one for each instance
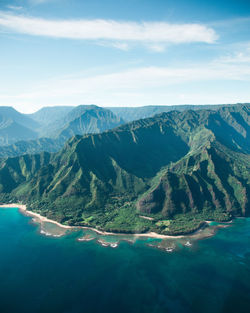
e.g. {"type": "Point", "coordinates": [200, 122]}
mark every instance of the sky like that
{"type": "Point", "coordinates": [123, 53]}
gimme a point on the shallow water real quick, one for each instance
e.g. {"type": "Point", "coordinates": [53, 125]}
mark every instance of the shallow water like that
{"type": "Point", "coordinates": [61, 274]}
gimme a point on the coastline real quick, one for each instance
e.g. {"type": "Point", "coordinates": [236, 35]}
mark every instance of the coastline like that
{"type": "Point", "coordinates": [23, 209]}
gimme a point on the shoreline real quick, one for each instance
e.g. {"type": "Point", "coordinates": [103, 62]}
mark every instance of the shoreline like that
{"type": "Point", "coordinates": [23, 209]}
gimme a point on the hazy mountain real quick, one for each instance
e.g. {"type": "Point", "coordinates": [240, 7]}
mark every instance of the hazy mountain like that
{"type": "Point", "coordinates": [63, 122]}
{"type": "Point", "coordinates": [31, 147]}
{"type": "Point", "coordinates": [48, 115]}
{"type": "Point", "coordinates": [180, 168]}
{"type": "Point", "coordinates": [15, 126]}
{"type": "Point", "coordinates": [136, 113]}
{"type": "Point", "coordinates": [17, 117]}
{"type": "Point", "coordinates": [81, 120]}
{"type": "Point", "coordinates": [94, 120]}
{"type": "Point", "coordinates": [54, 123]}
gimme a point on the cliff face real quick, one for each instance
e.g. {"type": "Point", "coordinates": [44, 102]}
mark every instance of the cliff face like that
{"type": "Point", "coordinates": [211, 180]}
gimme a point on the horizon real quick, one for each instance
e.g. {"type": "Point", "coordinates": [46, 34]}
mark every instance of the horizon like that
{"type": "Point", "coordinates": [125, 107]}
{"type": "Point", "coordinates": [116, 54]}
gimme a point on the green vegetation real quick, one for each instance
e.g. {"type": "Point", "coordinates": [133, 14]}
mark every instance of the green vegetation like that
{"type": "Point", "coordinates": [31, 147]}
{"type": "Point", "coordinates": [180, 168]}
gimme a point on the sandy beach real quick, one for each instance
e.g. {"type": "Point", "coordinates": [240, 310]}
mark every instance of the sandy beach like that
{"type": "Point", "coordinates": [23, 209]}
{"type": "Point", "coordinates": [148, 235]}
{"type": "Point", "coordinates": [40, 218]}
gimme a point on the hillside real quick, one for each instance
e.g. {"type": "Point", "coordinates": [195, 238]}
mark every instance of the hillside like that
{"type": "Point", "coordinates": [180, 168]}
{"type": "Point", "coordinates": [31, 147]}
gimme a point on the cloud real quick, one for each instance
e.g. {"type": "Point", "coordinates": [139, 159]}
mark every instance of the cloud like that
{"type": "Point", "coordinates": [14, 7]}
{"type": "Point", "coordinates": [118, 45]}
{"type": "Point", "coordinates": [152, 33]}
{"type": "Point", "coordinates": [35, 2]}
{"type": "Point", "coordinates": [222, 80]}
{"type": "Point", "coordinates": [157, 47]}
{"type": "Point", "coordinates": [240, 57]}
{"type": "Point", "coordinates": [144, 85]}
{"type": "Point", "coordinates": [237, 54]}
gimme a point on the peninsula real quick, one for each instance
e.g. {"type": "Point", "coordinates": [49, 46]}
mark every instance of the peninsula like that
{"type": "Point", "coordinates": [177, 169]}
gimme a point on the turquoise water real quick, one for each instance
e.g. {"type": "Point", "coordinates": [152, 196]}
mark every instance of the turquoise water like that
{"type": "Point", "coordinates": [45, 274]}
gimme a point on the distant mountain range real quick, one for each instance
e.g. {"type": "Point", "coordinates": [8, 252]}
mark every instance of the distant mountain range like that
{"type": "Point", "coordinates": [34, 133]}
{"type": "Point", "coordinates": [83, 119]}
{"type": "Point", "coordinates": [49, 128]}
{"type": "Point", "coordinates": [135, 113]}
{"type": "Point", "coordinates": [179, 168]}
{"type": "Point", "coordinates": [48, 115]}
{"type": "Point", "coordinates": [15, 126]}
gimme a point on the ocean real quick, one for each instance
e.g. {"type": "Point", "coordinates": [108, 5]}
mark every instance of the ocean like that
{"type": "Point", "coordinates": [40, 273]}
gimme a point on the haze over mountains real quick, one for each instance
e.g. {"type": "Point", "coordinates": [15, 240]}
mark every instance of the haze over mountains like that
{"type": "Point", "coordinates": [49, 128]}
{"type": "Point", "coordinates": [135, 113]}
{"type": "Point", "coordinates": [15, 126]}
{"type": "Point", "coordinates": [180, 168]}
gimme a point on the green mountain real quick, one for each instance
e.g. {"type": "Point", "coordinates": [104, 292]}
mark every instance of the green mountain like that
{"type": "Point", "coordinates": [179, 168]}
{"type": "Point", "coordinates": [63, 122]}
{"type": "Point", "coordinates": [31, 147]}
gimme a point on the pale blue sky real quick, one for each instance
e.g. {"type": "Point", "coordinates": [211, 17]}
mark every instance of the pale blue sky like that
{"type": "Point", "coordinates": [123, 53]}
